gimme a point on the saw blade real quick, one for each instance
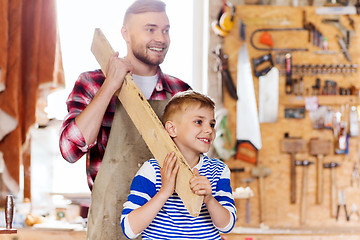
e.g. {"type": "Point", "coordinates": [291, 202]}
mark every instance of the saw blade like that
{"type": "Point", "coordinates": [247, 121]}
{"type": "Point", "coordinates": [269, 96]}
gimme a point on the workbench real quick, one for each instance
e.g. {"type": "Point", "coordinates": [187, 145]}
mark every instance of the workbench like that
{"type": "Point", "coordinates": [37, 234]}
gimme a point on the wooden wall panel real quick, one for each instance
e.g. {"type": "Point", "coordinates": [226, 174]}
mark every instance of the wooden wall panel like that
{"type": "Point", "coordinates": [279, 211]}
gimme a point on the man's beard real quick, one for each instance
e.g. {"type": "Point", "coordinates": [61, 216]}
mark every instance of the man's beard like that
{"type": "Point", "coordinates": [145, 58]}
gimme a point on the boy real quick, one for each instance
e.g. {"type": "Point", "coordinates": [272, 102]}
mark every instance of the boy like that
{"type": "Point", "coordinates": [153, 208]}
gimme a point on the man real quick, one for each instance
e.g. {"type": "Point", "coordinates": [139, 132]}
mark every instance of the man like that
{"type": "Point", "coordinates": [92, 103]}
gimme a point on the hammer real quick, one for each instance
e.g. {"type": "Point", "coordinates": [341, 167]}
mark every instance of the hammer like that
{"type": "Point", "coordinates": [247, 181]}
{"type": "Point", "coordinates": [305, 164]}
{"type": "Point", "coordinates": [319, 148]}
{"type": "Point", "coordinates": [332, 166]}
{"type": "Point", "coordinates": [261, 172]}
{"type": "Point", "coordinates": [293, 146]}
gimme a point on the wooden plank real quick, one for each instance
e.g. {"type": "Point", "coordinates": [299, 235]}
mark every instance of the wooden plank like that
{"type": "Point", "coordinates": [149, 125]}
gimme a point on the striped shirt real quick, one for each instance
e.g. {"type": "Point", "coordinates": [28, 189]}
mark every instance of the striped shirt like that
{"type": "Point", "coordinates": [72, 143]}
{"type": "Point", "coordinates": [173, 220]}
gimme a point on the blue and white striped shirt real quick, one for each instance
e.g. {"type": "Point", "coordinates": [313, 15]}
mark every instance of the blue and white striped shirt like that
{"type": "Point", "coordinates": [173, 220]}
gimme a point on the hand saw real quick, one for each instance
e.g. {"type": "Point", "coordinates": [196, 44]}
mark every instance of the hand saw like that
{"type": "Point", "coordinates": [269, 96]}
{"type": "Point", "coordinates": [247, 121]}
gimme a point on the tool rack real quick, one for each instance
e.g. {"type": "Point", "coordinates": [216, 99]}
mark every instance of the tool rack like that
{"type": "Point", "coordinates": [280, 212]}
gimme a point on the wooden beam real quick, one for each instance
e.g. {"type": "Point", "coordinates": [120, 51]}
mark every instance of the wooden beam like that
{"type": "Point", "coordinates": [149, 125]}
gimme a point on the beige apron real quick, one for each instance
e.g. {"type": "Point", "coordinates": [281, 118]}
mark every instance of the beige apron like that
{"type": "Point", "coordinates": [125, 152]}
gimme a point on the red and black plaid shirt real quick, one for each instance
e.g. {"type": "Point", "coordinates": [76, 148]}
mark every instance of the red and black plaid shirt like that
{"type": "Point", "coordinates": [72, 142]}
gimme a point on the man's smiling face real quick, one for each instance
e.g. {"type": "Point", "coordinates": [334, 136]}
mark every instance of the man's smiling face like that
{"type": "Point", "coordinates": [149, 36]}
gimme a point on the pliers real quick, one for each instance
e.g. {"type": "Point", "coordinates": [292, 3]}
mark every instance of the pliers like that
{"type": "Point", "coordinates": [341, 202]}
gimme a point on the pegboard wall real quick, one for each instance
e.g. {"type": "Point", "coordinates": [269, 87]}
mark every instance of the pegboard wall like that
{"type": "Point", "coordinates": [278, 209]}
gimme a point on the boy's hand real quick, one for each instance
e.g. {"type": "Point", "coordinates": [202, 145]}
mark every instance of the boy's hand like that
{"type": "Point", "coordinates": [169, 172]}
{"type": "Point", "coordinates": [200, 185]}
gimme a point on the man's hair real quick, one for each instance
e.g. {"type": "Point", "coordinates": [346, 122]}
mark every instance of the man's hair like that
{"type": "Point", "coordinates": [144, 6]}
{"type": "Point", "coordinates": [181, 100]}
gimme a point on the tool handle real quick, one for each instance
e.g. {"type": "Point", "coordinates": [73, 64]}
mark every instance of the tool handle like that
{"type": "Point", "coordinates": [261, 199]}
{"type": "Point", "coordinates": [333, 194]}
{"type": "Point", "coordinates": [319, 179]}
{"type": "Point", "coordinates": [292, 179]}
{"type": "Point", "coordinates": [247, 210]}
{"type": "Point", "coordinates": [9, 211]}
{"type": "Point", "coordinates": [229, 84]}
{"type": "Point", "coordinates": [304, 195]}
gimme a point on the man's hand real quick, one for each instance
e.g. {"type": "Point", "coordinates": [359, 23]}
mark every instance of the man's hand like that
{"type": "Point", "coordinates": [116, 71]}
{"type": "Point", "coordinates": [169, 172]}
{"type": "Point", "coordinates": [200, 185]}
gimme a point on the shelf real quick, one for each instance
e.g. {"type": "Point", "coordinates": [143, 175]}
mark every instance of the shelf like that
{"type": "Point", "coordinates": [297, 101]}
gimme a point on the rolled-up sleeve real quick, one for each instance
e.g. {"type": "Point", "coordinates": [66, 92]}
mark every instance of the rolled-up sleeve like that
{"type": "Point", "coordinates": [226, 199]}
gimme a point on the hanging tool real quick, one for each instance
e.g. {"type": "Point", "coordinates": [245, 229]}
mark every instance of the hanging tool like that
{"type": "Point", "coordinates": [265, 38]}
{"type": "Point", "coordinates": [242, 30]}
{"type": "Point", "coordinates": [314, 36]}
{"type": "Point", "coordinates": [223, 67]}
{"type": "Point", "coordinates": [355, 177]}
{"type": "Point", "coordinates": [261, 172]}
{"type": "Point", "coordinates": [341, 203]}
{"type": "Point", "coordinates": [235, 174]}
{"type": "Point", "coordinates": [343, 48]}
{"type": "Point", "coordinates": [355, 210]}
{"type": "Point", "coordinates": [247, 121]}
{"type": "Point", "coordinates": [357, 6]}
{"type": "Point", "coordinates": [319, 148]}
{"type": "Point", "coordinates": [225, 20]}
{"type": "Point", "coordinates": [332, 166]}
{"type": "Point", "coordinates": [269, 96]}
{"type": "Point", "coordinates": [246, 151]}
{"type": "Point", "coordinates": [316, 69]}
{"type": "Point", "coordinates": [288, 67]}
{"type": "Point", "coordinates": [247, 181]}
{"type": "Point", "coordinates": [265, 60]}
{"type": "Point", "coordinates": [293, 146]}
{"type": "Point", "coordinates": [276, 30]}
{"type": "Point", "coordinates": [346, 33]}
{"type": "Point", "coordinates": [305, 164]}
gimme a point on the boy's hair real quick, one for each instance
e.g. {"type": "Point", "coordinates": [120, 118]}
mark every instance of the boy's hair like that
{"type": "Point", "coordinates": [144, 6]}
{"type": "Point", "coordinates": [181, 100]}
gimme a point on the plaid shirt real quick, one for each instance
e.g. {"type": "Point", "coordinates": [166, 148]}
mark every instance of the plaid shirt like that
{"type": "Point", "coordinates": [72, 142]}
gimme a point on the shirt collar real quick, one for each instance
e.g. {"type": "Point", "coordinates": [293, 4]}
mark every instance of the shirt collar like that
{"type": "Point", "coordinates": [200, 163]}
{"type": "Point", "coordinates": [162, 84]}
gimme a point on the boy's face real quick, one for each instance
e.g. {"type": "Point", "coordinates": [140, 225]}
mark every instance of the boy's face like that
{"type": "Point", "coordinates": [148, 36]}
{"type": "Point", "coordinates": [194, 129]}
